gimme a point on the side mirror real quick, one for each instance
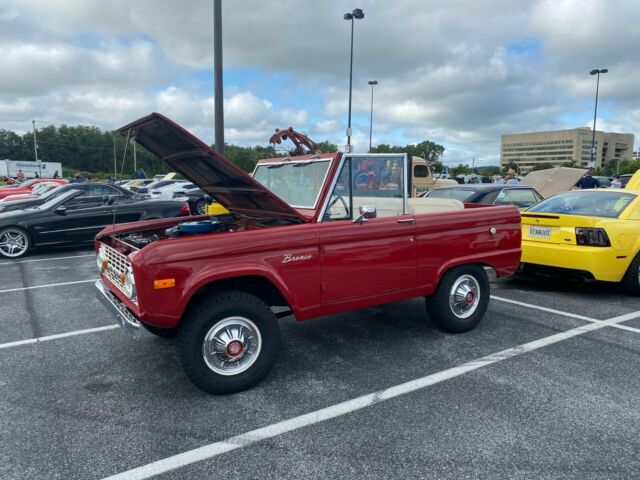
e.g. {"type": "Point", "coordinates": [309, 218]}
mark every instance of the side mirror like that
{"type": "Point", "coordinates": [61, 210]}
{"type": "Point", "coordinates": [366, 212]}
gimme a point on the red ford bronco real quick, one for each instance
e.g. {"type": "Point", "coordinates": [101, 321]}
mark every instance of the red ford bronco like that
{"type": "Point", "coordinates": [316, 234]}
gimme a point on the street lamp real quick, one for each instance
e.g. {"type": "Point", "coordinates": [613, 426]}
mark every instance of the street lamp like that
{"type": "Point", "coordinates": [372, 83]}
{"type": "Point", "coordinates": [358, 14]}
{"type": "Point", "coordinates": [595, 112]}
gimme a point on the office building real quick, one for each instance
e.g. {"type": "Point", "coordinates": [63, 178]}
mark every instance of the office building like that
{"type": "Point", "coordinates": [561, 147]}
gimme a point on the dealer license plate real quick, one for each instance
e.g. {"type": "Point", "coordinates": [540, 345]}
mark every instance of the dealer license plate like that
{"type": "Point", "coordinates": [539, 232]}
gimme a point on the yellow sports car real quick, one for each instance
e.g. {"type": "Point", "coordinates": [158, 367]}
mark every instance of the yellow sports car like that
{"type": "Point", "coordinates": [591, 233]}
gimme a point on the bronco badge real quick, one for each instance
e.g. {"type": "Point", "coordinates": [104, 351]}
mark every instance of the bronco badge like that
{"type": "Point", "coordinates": [290, 257]}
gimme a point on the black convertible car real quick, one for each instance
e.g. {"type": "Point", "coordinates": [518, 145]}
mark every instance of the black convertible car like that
{"type": "Point", "coordinates": [93, 192]}
{"type": "Point", "coordinates": [522, 196]}
{"type": "Point", "coordinates": [63, 220]}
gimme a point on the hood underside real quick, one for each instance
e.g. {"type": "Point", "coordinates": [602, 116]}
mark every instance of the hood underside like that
{"type": "Point", "coordinates": [553, 180]}
{"type": "Point", "coordinates": [210, 171]}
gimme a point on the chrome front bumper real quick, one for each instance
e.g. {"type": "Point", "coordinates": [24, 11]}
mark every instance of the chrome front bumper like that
{"type": "Point", "coordinates": [129, 323]}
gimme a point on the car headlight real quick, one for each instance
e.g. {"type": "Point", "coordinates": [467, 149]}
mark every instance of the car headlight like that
{"type": "Point", "coordinates": [130, 284]}
{"type": "Point", "coordinates": [101, 258]}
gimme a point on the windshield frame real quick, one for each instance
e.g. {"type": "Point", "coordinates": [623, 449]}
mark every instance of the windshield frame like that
{"type": "Point", "coordinates": [303, 164]}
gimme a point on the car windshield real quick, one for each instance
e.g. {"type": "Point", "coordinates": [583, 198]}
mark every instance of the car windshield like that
{"type": "Point", "coordinates": [456, 193]}
{"type": "Point", "coordinates": [297, 183]}
{"type": "Point", "coordinates": [590, 204]}
{"type": "Point", "coordinates": [58, 199]}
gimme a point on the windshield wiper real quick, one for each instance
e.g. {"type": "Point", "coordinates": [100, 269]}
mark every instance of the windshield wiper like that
{"type": "Point", "coordinates": [275, 166]}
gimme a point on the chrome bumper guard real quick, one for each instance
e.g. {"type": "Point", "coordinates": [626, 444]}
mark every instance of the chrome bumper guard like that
{"type": "Point", "coordinates": [129, 323]}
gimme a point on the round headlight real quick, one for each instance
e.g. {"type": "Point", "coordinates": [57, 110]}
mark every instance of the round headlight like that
{"type": "Point", "coordinates": [129, 284]}
{"type": "Point", "coordinates": [101, 258]}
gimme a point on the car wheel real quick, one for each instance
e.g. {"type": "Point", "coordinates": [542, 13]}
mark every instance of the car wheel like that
{"type": "Point", "coordinates": [460, 300]}
{"type": "Point", "coordinates": [631, 279]}
{"type": "Point", "coordinates": [161, 332]}
{"type": "Point", "coordinates": [229, 342]}
{"type": "Point", "coordinates": [200, 207]}
{"type": "Point", "coordinates": [14, 242]}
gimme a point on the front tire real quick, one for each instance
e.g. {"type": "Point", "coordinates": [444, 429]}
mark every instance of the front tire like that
{"type": "Point", "coordinates": [14, 242]}
{"type": "Point", "coordinates": [229, 342]}
{"type": "Point", "coordinates": [461, 299]}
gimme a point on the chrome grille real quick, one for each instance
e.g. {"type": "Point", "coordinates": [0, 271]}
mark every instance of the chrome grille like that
{"type": "Point", "coordinates": [117, 264]}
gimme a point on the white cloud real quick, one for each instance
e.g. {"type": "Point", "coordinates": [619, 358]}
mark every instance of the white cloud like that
{"type": "Point", "coordinates": [460, 73]}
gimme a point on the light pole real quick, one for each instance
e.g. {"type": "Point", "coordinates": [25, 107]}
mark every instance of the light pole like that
{"type": "Point", "coordinates": [372, 83]}
{"type": "Point", "coordinates": [595, 112]}
{"type": "Point", "coordinates": [358, 14]}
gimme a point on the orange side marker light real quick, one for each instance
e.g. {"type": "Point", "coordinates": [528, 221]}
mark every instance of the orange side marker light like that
{"type": "Point", "coordinates": [164, 283]}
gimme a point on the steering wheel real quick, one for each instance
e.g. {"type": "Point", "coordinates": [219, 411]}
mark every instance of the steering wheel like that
{"type": "Point", "coordinates": [335, 200]}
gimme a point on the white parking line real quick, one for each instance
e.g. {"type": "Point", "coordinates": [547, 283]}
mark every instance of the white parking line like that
{"type": "Point", "coordinates": [48, 338]}
{"type": "Point", "coordinates": [249, 438]}
{"type": "Point", "coordinates": [565, 314]}
{"type": "Point", "coordinates": [47, 259]}
{"type": "Point", "coordinates": [47, 286]}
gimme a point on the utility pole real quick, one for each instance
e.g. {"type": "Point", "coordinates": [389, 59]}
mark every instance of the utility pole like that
{"type": "Point", "coordinates": [115, 162]}
{"type": "Point", "coordinates": [35, 148]}
{"type": "Point", "coordinates": [218, 119]}
{"type": "Point", "coordinates": [135, 157]}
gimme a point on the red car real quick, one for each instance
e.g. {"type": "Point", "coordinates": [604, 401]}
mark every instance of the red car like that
{"type": "Point", "coordinates": [304, 234]}
{"type": "Point", "coordinates": [27, 187]}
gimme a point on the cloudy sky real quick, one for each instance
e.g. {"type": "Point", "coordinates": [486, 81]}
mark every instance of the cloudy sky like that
{"type": "Point", "coordinates": [459, 73]}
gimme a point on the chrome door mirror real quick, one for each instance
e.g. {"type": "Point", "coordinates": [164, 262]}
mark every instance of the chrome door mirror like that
{"type": "Point", "coordinates": [61, 210]}
{"type": "Point", "coordinates": [366, 212]}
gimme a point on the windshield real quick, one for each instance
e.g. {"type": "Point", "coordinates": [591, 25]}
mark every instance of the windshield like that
{"type": "Point", "coordinates": [457, 193]}
{"type": "Point", "coordinates": [591, 204]}
{"type": "Point", "coordinates": [59, 199]}
{"type": "Point", "coordinates": [297, 183]}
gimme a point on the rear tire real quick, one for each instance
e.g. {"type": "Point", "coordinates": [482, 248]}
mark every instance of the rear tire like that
{"type": "Point", "coordinates": [631, 280]}
{"type": "Point", "coordinates": [200, 207]}
{"type": "Point", "coordinates": [229, 342]}
{"type": "Point", "coordinates": [461, 299]}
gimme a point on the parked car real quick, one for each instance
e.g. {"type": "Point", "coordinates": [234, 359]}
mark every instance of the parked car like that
{"type": "Point", "coordinates": [172, 190]}
{"type": "Point", "coordinates": [27, 186]}
{"type": "Point", "coordinates": [319, 244]}
{"type": "Point", "coordinates": [624, 179]}
{"type": "Point", "coordinates": [37, 190]}
{"type": "Point", "coordinates": [591, 234]}
{"type": "Point", "coordinates": [63, 221]}
{"type": "Point", "coordinates": [155, 185]}
{"type": "Point", "coordinates": [605, 182]}
{"type": "Point", "coordinates": [93, 192]}
{"type": "Point", "coordinates": [521, 196]}
{"type": "Point", "coordinates": [198, 201]}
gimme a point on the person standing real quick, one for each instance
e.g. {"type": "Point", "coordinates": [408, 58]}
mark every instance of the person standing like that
{"type": "Point", "coordinates": [587, 182]}
{"type": "Point", "coordinates": [55, 174]}
{"type": "Point", "coordinates": [20, 175]}
{"type": "Point", "coordinates": [616, 183]}
{"type": "Point", "coordinates": [510, 177]}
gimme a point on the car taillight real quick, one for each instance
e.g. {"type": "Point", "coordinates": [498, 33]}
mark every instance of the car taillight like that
{"type": "Point", "coordinates": [184, 209]}
{"type": "Point", "coordinates": [594, 237]}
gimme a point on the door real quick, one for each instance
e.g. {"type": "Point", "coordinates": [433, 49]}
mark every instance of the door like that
{"type": "Point", "coordinates": [372, 256]}
{"type": "Point", "coordinates": [78, 223]}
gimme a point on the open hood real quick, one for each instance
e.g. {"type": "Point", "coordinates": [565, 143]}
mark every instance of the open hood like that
{"type": "Point", "coordinates": [209, 170]}
{"type": "Point", "coordinates": [553, 180]}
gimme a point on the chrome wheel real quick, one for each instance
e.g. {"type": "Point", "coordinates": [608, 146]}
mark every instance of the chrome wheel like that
{"type": "Point", "coordinates": [201, 207]}
{"type": "Point", "coordinates": [464, 296]}
{"type": "Point", "coordinates": [232, 345]}
{"type": "Point", "coordinates": [13, 243]}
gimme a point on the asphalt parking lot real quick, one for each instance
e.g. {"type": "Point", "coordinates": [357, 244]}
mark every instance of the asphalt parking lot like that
{"type": "Point", "coordinates": [546, 387]}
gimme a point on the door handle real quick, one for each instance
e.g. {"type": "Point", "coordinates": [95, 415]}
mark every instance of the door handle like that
{"type": "Point", "coordinates": [406, 220]}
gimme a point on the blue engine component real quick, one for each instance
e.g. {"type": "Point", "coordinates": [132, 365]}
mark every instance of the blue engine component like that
{"type": "Point", "coordinates": [191, 228]}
